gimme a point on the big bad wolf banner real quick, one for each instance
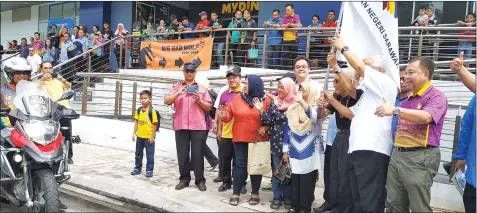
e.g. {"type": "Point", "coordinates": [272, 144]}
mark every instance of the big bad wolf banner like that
{"type": "Point", "coordinates": [173, 54]}
{"type": "Point", "coordinates": [371, 28]}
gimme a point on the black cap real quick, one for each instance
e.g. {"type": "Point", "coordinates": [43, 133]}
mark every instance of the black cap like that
{"type": "Point", "coordinates": [202, 13]}
{"type": "Point", "coordinates": [172, 17]}
{"type": "Point", "coordinates": [189, 66]}
{"type": "Point", "coordinates": [233, 70]}
{"type": "Point", "coordinates": [288, 75]}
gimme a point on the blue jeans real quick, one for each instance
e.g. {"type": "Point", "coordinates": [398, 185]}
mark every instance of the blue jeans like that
{"type": "Point", "coordinates": [240, 170]}
{"type": "Point", "coordinates": [465, 47]}
{"type": "Point", "coordinates": [142, 143]}
{"type": "Point", "coordinates": [219, 52]}
{"type": "Point", "coordinates": [281, 192]}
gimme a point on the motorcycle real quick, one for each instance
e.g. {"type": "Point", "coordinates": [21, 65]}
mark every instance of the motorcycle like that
{"type": "Point", "coordinates": [33, 151]}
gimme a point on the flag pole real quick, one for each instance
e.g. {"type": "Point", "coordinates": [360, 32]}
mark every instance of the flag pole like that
{"type": "Point", "coordinates": [340, 17]}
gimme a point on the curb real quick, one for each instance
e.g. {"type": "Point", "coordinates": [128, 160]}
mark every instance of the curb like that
{"type": "Point", "coordinates": [119, 198]}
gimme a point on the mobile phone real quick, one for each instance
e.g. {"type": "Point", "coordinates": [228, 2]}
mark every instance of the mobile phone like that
{"type": "Point", "coordinates": [192, 89]}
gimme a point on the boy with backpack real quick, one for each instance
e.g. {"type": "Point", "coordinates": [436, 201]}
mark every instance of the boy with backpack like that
{"type": "Point", "coordinates": [145, 128]}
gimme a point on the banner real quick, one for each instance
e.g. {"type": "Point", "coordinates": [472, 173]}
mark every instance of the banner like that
{"type": "Point", "coordinates": [371, 28]}
{"type": "Point", "coordinates": [173, 54]}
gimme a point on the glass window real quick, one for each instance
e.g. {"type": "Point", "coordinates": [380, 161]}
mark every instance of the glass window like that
{"type": "Point", "coordinates": [43, 13]}
{"type": "Point", "coordinates": [77, 7]}
{"type": "Point", "coordinates": [56, 11]}
{"type": "Point", "coordinates": [68, 10]}
{"type": "Point", "coordinates": [405, 12]}
{"type": "Point", "coordinates": [456, 12]}
{"type": "Point", "coordinates": [42, 29]}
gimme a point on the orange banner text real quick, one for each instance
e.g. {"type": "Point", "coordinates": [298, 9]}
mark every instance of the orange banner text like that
{"type": "Point", "coordinates": [173, 54]}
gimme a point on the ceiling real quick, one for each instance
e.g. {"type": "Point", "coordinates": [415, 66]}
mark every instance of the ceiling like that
{"type": "Point", "coordinates": [11, 5]}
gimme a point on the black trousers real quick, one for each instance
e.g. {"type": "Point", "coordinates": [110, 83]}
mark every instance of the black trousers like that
{"type": "Point", "coordinates": [469, 198]}
{"type": "Point", "coordinates": [368, 172]}
{"type": "Point", "coordinates": [208, 154]}
{"type": "Point", "coordinates": [327, 177]}
{"type": "Point", "coordinates": [303, 190]}
{"type": "Point", "coordinates": [289, 49]}
{"type": "Point", "coordinates": [226, 155]}
{"type": "Point", "coordinates": [340, 189]}
{"type": "Point", "coordinates": [68, 135]}
{"type": "Point", "coordinates": [191, 141]}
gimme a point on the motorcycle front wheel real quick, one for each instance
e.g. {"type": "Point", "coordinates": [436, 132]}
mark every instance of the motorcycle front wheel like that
{"type": "Point", "coordinates": [45, 192]}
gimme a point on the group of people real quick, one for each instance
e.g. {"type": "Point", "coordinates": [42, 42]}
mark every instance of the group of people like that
{"type": "Point", "coordinates": [382, 149]}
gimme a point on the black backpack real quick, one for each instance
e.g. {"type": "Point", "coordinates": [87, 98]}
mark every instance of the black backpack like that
{"type": "Point", "coordinates": [213, 97]}
{"type": "Point", "coordinates": [150, 116]}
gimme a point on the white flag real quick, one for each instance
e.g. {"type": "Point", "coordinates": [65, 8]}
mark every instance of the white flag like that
{"type": "Point", "coordinates": [371, 28]}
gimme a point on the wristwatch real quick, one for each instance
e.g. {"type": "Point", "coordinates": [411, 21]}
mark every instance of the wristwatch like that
{"type": "Point", "coordinates": [396, 111]}
{"type": "Point", "coordinates": [345, 48]}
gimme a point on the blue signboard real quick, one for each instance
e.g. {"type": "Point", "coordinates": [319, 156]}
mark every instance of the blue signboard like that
{"type": "Point", "coordinates": [68, 22]}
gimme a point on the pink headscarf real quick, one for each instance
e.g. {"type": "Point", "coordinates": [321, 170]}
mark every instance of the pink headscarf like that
{"type": "Point", "coordinates": [123, 31]}
{"type": "Point", "coordinates": [290, 90]}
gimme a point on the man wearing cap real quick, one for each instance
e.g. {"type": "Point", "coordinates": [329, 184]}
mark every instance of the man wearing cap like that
{"type": "Point", "coordinates": [187, 26]}
{"type": "Point", "coordinates": [203, 24]}
{"type": "Point", "coordinates": [224, 130]}
{"type": "Point", "coordinates": [175, 26]}
{"type": "Point", "coordinates": [191, 101]}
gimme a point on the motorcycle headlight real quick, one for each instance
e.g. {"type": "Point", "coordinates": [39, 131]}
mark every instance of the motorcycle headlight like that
{"type": "Point", "coordinates": [42, 132]}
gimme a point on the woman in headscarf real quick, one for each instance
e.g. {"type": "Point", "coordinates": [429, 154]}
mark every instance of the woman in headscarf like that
{"type": "Point", "coordinates": [301, 147]}
{"type": "Point", "coordinates": [276, 121]}
{"type": "Point", "coordinates": [431, 17]}
{"type": "Point", "coordinates": [120, 31]}
{"type": "Point", "coordinates": [247, 128]}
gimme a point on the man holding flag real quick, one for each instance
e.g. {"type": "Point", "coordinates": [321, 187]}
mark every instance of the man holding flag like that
{"type": "Point", "coordinates": [370, 29]}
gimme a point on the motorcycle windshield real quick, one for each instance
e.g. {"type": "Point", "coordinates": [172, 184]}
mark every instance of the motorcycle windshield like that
{"type": "Point", "coordinates": [31, 100]}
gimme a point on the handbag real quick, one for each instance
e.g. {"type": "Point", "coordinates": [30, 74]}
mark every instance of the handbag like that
{"type": "Point", "coordinates": [253, 53]}
{"type": "Point", "coordinates": [283, 173]}
{"type": "Point", "coordinates": [259, 160]}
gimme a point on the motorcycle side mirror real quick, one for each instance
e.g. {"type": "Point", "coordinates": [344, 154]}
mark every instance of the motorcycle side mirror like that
{"type": "Point", "coordinates": [4, 111]}
{"type": "Point", "coordinates": [66, 96]}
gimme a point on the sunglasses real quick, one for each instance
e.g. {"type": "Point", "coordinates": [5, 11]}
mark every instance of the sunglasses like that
{"type": "Point", "coordinates": [189, 71]}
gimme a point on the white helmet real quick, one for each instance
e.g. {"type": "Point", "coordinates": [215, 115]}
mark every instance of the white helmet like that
{"type": "Point", "coordinates": [15, 64]}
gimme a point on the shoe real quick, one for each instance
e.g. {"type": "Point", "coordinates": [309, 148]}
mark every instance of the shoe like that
{"type": "Point", "coordinates": [217, 180]}
{"type": "Point", "coordinates": [70, 161]}
{"type": "Point", "coordinates": [292, 210]}
{"type": "Point", "coordinates": [268, 187]}
{"type": "Point", "coordinates": [136, 172]}
{"type": "Point", "coordinates": [323, 208]}
{"type": "Point", "coordinates": [224, 187]}
{"type": "Point", "coordinates": [62, 206]}
{"type": "Point", "coordinates": [202, 187]}
{"type": "Point", "coordinates": [148, 174]}
{"type": "Point", "coordinates": [181, 185]}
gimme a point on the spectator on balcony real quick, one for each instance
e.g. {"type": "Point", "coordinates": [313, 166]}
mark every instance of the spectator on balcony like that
{"type": "Point", "coordinates": [162, 29]}
{"type": "Point", "coordinates": [422, 19]}
{"type": "Point", "coordinates": [188, 26]}
{"type": "Point", "coordinates": [146, 33]}
{"type": "Point", "coordinates": [54, 35]}
{"type": "Point", "coordinates": [203, 23]}
{"type": "Point", "coordinates": [417, 140]}
{"type": "Point", "coordinates": [274, 41]}
{"type": "Point", "coordinates": [93, 34]}
{"type": "Point", "coordinates": [465, 44]}
{"type": "Point", "coordinates": [34, 60]}
{"type": "Point", "coordinates": [121, 45]}
{"type": "Point", "coordinates": [32, 39]}
{"type": "Point", "coordinates": [15, 45]}
{"type": "Point", "coordinates": [66, 48]}
{"type": "Point", "coordinates": [315, 41]}
{"type": "Point", "coordinates": [37, 44]}
{"type": "Point", "coordinates": [107, 33]}
{"type": "Point", "coordinates": [24, 48]}
{"type": "Point", "coordinates": [248, 39]}
{"type": "Point", "coordinates": [174, 27]}
{"type": "Point", "coordinates": [97, 59]}
{"type": "Point", "coordinates": [74, 34]}
{"type": "Point", "coordinates": [49, 52]}
{"type": "Point", "coordinates": [85, 29]}
{"type": "Point", "coordinates": [234, 36]}
{"type": "Point", "coordinates": [63, 30]}
{"type": "Point", "coordinates": [431, 17]}
{"type": "Point", "coordinates": [290, 42]}
{"type": "Point", "coordinates": [330, 22]}
{"type": "Point", "coordinates": [219, 37]}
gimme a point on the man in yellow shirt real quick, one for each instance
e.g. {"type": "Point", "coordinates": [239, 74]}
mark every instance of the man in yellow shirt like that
{"type": "Point", "coordinates": [145, 131]}
{"type": "Point", "coordinates": [55, 86]}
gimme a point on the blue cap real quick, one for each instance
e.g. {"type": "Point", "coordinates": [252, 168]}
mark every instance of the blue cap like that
{"type": "Point", "coordinates": [189, 66]}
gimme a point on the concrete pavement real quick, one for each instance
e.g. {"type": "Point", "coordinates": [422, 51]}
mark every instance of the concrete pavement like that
{"type": "Point", "coordinates": [106, 171]}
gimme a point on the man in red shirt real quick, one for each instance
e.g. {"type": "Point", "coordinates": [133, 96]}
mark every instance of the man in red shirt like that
{"type": "Point", "coordinates": [330, 22]}
{"type": "Point", "coordinates": [203, 24]}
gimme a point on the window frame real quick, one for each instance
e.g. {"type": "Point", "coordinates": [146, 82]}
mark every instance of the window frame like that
{"type": "Point", "coordinates": [75, 17]}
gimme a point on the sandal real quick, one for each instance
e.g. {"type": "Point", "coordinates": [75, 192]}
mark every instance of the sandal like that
{"type": "Point", "coordinates": [275, 205]}
{"type": "Point", "coordinates": [253, 201]}
{"type": "Point", "coordinates": [234, 201]}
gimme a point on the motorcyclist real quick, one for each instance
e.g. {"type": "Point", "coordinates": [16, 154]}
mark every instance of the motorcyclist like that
{"type": "Point", "coordinates": [15, 70]}
{"type": "Point", "coordinates": [55, 86]}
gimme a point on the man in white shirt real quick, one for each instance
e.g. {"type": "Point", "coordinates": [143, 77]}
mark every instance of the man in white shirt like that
{"type": "Point", "coordinates": [34, 60]}
{"type": "Point", "coordinates": [370, 141]}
